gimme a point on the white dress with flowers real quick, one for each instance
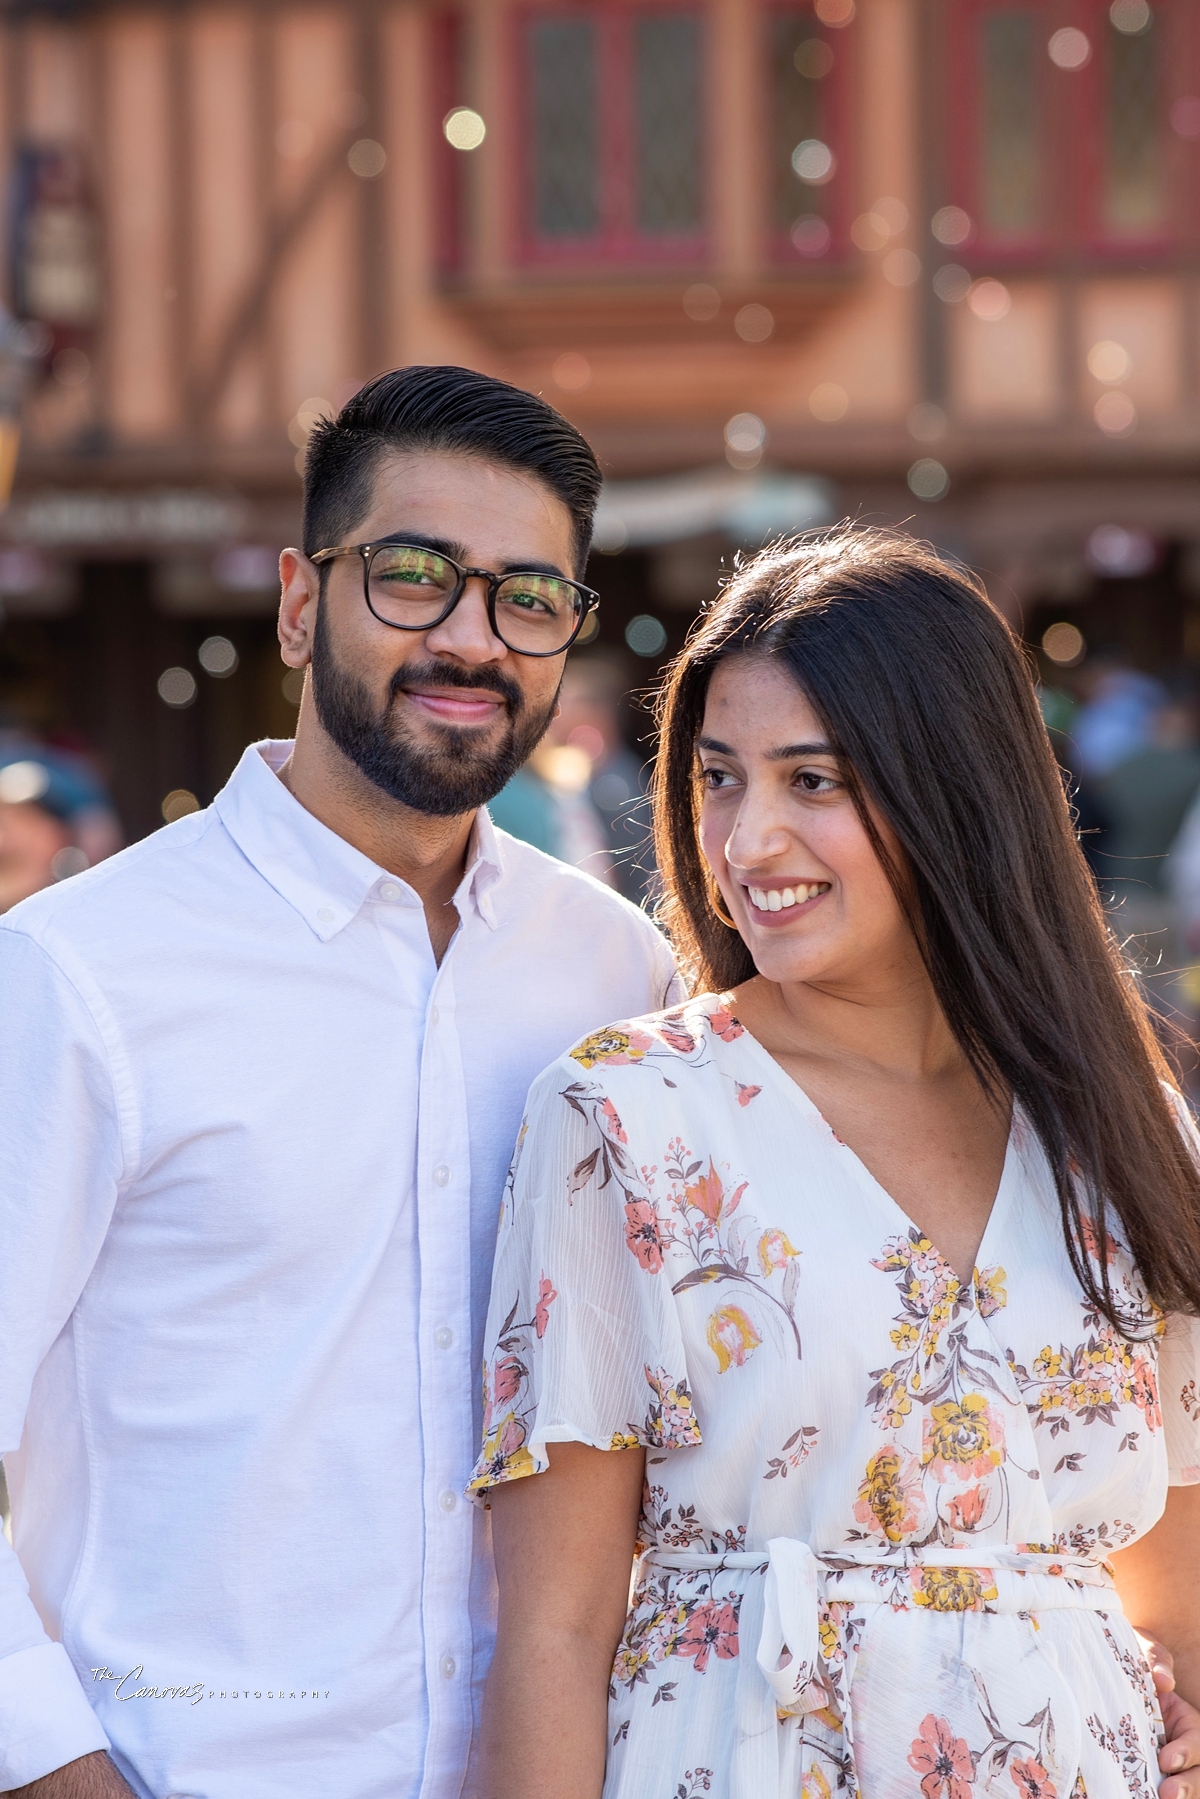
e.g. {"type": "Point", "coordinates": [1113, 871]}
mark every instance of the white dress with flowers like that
{"type": "Point", "coordinates": [878, 1499]}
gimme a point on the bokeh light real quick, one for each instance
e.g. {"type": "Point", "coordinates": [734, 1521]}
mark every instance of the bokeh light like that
{"type": "Point", "coordinates": [464, 128]}
{"type": "Point", "coordinates": [1063, 643]}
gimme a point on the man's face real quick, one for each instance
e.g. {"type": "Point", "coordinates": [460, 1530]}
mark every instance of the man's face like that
{"type": "Point", "coordinates": [29, 841]}
{"type": "Point", "coordinates": [440, 719]}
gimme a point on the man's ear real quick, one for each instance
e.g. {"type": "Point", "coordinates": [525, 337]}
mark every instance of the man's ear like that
{"type": "Point", "coordinates": [300, 595]}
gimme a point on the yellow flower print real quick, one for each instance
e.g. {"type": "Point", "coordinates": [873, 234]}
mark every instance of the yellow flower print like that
{"type": "Point", "coordinates": [990, 1294]}
{"type": "Point", "coordinates": [774, 1251]}
{"type": "Point", "coordinates": [623, 1440]}
{"type": "Point", "coordinates": [891, 1495]}
{"type": "Point", "coordinates": [1048, 1365]}
{"type": "Point", "coordinates": [613, 1048]}
{"type": "Point", "coordinates": [504, 1457]}
{"type": "Point", "coordinates": [953, 1589]}
{"type": "Point", "coordinates": [964, 1437]}
{"type": "Point", "coordinates": [905, 1335]}
{"type": "Point", "coordinates": [731, 1337]}
{"type": "Point", "coordinates": [813, 1784]}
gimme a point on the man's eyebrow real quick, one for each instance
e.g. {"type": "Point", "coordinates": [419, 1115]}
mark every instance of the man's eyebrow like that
{"type": "Point", "coordinates": [449, 546]}
{"type": "Point", "coordinates": [787, 752]}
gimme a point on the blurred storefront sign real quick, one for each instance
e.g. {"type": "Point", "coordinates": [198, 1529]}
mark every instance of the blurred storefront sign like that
{"type": "Point", "coordinates": [97, 520]}
{"type": "Point", "coordinates": [747, 508]}
{"type": "Point", "coordinates": [55, 244]}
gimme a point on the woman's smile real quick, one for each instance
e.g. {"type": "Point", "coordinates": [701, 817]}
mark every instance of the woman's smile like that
{"type": "Point", "coordinates": [767, 903]}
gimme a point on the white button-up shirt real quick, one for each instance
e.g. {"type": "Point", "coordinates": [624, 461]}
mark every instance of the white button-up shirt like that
{"type": "Point", "coordinates": [252, 1147]}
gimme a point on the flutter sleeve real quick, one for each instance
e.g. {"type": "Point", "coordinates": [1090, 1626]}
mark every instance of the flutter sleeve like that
{"type": "Point", "coordinates": [582, 1343]}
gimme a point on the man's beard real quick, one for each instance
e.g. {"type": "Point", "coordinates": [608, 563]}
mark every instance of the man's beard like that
{"type": "Point", "coordinates": [452, 777]}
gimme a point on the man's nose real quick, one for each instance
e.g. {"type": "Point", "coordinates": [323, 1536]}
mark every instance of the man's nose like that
{"type": "Point", "coordinates": [467, 634]}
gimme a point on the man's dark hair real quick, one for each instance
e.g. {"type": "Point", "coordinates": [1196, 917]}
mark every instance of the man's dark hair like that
{"type": "Point", "coordinates": [446, 409]}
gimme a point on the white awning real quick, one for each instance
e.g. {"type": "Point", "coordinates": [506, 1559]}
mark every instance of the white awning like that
{"type": "Point", "coordinates": [749, 508]}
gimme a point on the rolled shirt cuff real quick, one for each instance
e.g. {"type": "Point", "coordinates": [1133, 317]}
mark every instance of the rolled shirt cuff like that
{"type": "Point", "coordinates": [45, 1719]}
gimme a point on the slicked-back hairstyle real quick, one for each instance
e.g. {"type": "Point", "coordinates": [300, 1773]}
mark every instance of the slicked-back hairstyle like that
{"type": "Point", "coordinates": [929, 706]}
{"type": "Point", "coordinates": [447, 409]}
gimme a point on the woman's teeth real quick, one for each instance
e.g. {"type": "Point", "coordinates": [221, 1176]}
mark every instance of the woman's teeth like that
{"type": "Point", "coordinates": [776, 899]}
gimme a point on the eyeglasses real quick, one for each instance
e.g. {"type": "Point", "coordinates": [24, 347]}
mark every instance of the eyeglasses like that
{"type": "Point", "coordinates": [413, 589]}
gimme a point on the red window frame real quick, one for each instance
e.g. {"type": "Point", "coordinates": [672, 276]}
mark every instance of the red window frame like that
{"type": "Point", "coordinates": [837, 89]}
{"type": "Point", "coordinates": [1073, 123]}
{"type": "Point", "coordinates": [618, 239]}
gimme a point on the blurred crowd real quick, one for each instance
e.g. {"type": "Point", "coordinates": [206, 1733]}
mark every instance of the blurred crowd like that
{"type": "Point", "coordinates": [56, 817]}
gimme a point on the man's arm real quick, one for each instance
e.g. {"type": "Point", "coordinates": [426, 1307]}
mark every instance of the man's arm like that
{"type": "Point", "coordinates": [61, 1158]}
{"type": "Point", "coordinates": [91, 1777]}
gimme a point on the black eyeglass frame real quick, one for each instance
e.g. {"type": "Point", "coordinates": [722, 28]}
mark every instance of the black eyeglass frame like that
{"type": "Point", "coordinates": [368, 551]}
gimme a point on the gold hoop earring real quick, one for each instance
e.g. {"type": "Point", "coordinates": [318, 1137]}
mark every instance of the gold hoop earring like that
{"type": "Point", "coordinates": [714, 900]}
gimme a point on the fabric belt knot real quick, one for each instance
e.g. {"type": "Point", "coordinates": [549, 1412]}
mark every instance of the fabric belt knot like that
{"type": "Point", "coordinates": [791, 1615]}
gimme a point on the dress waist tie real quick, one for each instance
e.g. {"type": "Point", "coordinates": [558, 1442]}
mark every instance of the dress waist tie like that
{"type": "Point", "coordinates": [786, 1674]}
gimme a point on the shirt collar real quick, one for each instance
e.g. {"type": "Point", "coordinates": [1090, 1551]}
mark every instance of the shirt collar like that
{"type": "Point", "coordinates": [317, 872]}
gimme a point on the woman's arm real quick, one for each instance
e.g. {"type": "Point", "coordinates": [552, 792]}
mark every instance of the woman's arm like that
{"type": "Point", "coordinates": [1158, 1579]}
{"type": "Point", "coordinates": [564, 1545]}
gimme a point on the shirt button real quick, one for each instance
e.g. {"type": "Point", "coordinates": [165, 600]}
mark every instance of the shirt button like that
{"type": "Point", "coordinates": [326, 915]}
{"type": "Point", "coordinates": [448, 1500]}
{"type": "Point", "coordinates": [389, 891]}
{"type": "Point", "coordinates": [443, 1336]}
{"type": "Point", "coordinates": [441, 1174]}
{"type": "Point", "coordinates": [449, 1667]}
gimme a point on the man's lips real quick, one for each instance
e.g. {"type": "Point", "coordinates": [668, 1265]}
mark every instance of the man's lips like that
{"type": "Point", "coordinates": [456, 705]}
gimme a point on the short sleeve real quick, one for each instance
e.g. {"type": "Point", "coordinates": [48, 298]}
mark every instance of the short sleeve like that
{"type": "Point", "coordinates": [583, 1343]}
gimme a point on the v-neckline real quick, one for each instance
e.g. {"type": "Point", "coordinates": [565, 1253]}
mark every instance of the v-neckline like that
{"type": "Point", "coordinates": [809, 1107]}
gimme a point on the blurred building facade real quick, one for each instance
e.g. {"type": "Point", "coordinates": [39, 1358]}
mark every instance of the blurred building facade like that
{"type": "Point", "coordinates": [922, 261]}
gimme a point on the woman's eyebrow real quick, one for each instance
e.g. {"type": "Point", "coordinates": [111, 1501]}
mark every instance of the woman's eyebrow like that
{"type": "Point", "coordinates": [787, 752]}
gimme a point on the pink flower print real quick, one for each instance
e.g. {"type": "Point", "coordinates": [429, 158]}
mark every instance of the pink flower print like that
{"type": "Point", "coordinates": [615, 1048]}
{"type": "Point", "coordinates": [615, 1127]}
{"type": "Point", "coordinates": [500, 1385]}
{"type": "Point", "coordinates": [891, 1496]}
{"type": "Point", "coordinates": [746, 1094]}
{"type": "Point", "coordinates": [707, 1194]}
{"type": "Point", "coordinates": [942, 1760]}
{"type": "Point", "coordinates": [1031, 1779]}
{"type": "Point", "coordinates": [724, 1025]}
{"type": "Point", "coordinates": [731, 1337]}
{"type": "Point", "coordinates": [1143, 1391]}
{"type": "Point", "coordinates": [710, 1628]}
{"type": "Point", "coordinates": [774, 1251]}
{"type": "Point", "coordinates": [675, 1034]}
{"type": "Point", "coordinates": [1092, 1237]}
{"type": "Point", "coordinates": [541, 1313]}
{"type": "Point", "coordinates": [967, 1509]}
{"type": "Point", "coordinates": [641, 1234]}
{"type": "Point", "coordinates": [963, 1439]}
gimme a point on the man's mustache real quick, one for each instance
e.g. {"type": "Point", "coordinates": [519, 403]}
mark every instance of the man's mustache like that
{"type": "Point", "coordinates": [443, 674]}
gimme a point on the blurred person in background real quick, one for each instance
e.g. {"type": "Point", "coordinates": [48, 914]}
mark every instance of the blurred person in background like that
{"type": "Point", "coordinates": [55, 820]}
{"type": "Point", "coordinates": [1116, 716]}
{"type": "Point", "coordinates": [582, 795]}
{"type": "Point", "coordinates": [1146, 797]}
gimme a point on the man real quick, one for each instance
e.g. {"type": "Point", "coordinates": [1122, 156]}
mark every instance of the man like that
{"type": "Point", "coordinates": [55, 819]}
{"type": "Point", "coordinates": [260, 1077]}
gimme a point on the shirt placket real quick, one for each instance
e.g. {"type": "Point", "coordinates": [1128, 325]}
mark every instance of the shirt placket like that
{"type": "Point", "coordinates": [443, 1236]}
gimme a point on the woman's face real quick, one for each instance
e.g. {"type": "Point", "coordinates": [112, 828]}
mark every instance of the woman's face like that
{"type": "Point", "coordinates": [796, 868]}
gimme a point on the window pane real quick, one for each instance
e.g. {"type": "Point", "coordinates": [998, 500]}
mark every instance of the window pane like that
{"type": "Point", "coordinates": [800, 63]}
{"type": "Point", "coordinates": [565, 127]}
{"type": "Point", "coordinates": [668, 114]}
{"type": "Point", "coordinates": [1134, 198]}
{"type": "Point", "coordinates": [1010, 172]}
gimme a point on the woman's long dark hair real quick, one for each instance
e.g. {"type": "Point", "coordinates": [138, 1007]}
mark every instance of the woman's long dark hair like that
{"type": "Point", "coordinates": [928, 702]}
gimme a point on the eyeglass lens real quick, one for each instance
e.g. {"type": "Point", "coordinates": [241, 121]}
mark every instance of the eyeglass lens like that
{"type": "Point", "coordinates": [410, 587]}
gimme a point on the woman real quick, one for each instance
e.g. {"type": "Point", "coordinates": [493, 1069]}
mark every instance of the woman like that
{"type": "Point", "coordinates": [880, 1259]}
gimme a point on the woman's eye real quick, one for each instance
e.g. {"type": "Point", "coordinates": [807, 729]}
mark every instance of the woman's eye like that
{"type": "Point", "coordinates": [812, 782]}
{"type": "Point", "coordinates": [714, 777]}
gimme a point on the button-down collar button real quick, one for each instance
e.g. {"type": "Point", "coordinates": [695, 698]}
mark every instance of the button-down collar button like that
{"type": "Point", "coordinates": [326, 914]}
{"type": "Point", "coordinates": [390, 891]}
{"type": "Point", "coordinates": [441, 1174]}
{"type": "Point", "coordinates": [448, 1500]}
{"type": "Point", "coordinates": [449, 1667]}
{"type": "Point", "coordinates": [443, 1336]}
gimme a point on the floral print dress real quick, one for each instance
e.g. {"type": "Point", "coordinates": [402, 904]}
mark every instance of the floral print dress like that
{"type": "Point", "coordinates": [878, 1499]}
